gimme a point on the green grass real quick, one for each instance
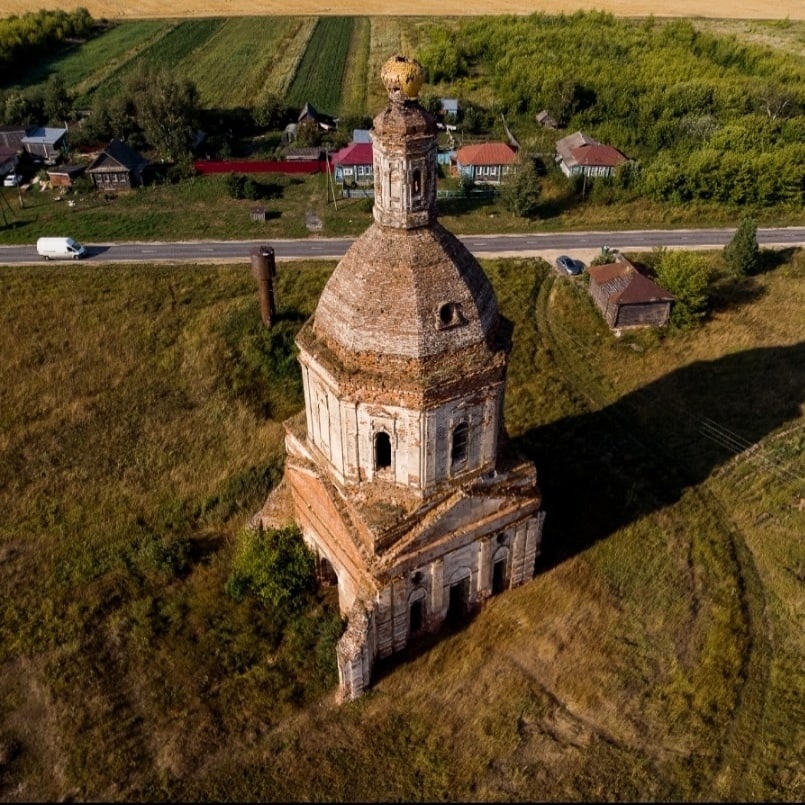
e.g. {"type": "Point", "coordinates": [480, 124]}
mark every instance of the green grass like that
{"type": "Point", "coordinates": [319, 76]}
{"type": "Point", "coordinates": [173, 52]}
{"type": "Point", "coordinates": [657, 655]}
{"type": "Point", "coordinates": [238, 59]}
{"type": "Point", "coordinates": [202, 208]}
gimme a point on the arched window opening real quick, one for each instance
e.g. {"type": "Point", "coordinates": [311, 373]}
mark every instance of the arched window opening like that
{"type": "Point", "coordinates": [458, 602]}
{"type": "Point", "coordinates": [499, 576]}
{"type": "Point", "coordinates": [458, 449]}
{"type": "Point", "coordinates": [416, 616]}
{"type": "Point", "coordinates": [382, 450]}
{"type": "Point", "coordinates": [416, 183]}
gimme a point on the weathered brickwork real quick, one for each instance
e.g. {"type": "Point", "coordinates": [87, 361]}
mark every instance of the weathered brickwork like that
{"type": "Point", "coordinates": [399, 471]}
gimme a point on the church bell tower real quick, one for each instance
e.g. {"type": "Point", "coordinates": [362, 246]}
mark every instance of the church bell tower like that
{"type": "Point", "coordinates": [401, 479]}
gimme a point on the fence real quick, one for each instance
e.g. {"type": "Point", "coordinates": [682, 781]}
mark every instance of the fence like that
{"type": "Point", "coordinates": [205, 166]}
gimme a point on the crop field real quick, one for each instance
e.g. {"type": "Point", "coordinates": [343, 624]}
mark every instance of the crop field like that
{"type": "Point", "coordinates": [320, 72]}
{"type": "Point", "coordinates": [138, 9]}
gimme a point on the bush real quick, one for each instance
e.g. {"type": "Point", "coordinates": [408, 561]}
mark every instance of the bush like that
{"type": "Point", "coordinates": [274, 566]}
{"type": "Point", "coordinates": [687, 276]}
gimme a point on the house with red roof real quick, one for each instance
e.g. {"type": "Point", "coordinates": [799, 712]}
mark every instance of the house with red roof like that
{"type": "Point", "coordinates": [486, 163]}
{"type": "Point", "coordinates": [353, 165]}
{"type": "Point", "coordinates": [580, 154]}
{"type": "Point", "coordinates": [627, 297]}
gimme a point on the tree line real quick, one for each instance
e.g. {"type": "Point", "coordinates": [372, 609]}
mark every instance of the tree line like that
{"type": "Point", "coordinates": [701, 116]}
{"type": "Point", "coordinates": [27, 38]}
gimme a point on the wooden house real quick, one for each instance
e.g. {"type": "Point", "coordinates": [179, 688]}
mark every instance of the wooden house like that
{"type": "Point", "coordinates": [486, 163]}
{"type": "Point", "coordinates": [354, 165]}
{"type": "Point", "coordinates": [9, 157]}
{"type": "Point", "coordinates": [45, 143]}
{"type": "Point", "coordinates": [323, 121]}
{"type": "Point", "coordinates": [627, 297]}
{"type": "Point", "coordinates": [118, 166]}
{"type": "Point", "coordinates": [11, 137]}
{"type": "Point", "coordinates": [579, 154]}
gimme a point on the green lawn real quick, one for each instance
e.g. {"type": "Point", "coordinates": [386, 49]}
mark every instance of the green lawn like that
{"type": "Point", "coordinates": [656, 655]}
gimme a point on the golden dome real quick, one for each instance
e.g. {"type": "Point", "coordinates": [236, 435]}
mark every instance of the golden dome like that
{"type": "Point", "coordinates": [403, 78]}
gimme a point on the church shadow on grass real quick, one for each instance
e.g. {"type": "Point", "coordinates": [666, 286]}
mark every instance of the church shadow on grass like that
{"type": "Point", "coordinates": [602, 470]}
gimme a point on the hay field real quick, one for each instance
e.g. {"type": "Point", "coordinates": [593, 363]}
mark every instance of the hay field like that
{"type": "Point", "coordinates": [140, 9]}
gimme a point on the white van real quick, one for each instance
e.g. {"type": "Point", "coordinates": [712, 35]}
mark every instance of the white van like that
{"type": "Point", "coordinates": [59, 248]}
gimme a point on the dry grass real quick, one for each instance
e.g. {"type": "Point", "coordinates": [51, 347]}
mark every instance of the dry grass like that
{"type": "Point", "coordinates": [142, 9]}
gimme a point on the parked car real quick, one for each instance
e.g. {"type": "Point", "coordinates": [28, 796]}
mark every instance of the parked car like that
{"type": "Point", "coordinates": [569, 265]}
{"type": "Point", "coordinates": [12, 180]}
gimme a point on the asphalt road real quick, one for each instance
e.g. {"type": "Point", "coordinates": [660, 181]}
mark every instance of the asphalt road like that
{"type": "Point", "coordinates": [548, 245]}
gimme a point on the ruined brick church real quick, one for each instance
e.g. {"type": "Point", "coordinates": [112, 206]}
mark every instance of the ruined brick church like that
{"type": "Point", "coordinates": [398, 469]}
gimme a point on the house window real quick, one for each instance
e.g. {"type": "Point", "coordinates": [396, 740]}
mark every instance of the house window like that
{"type": "Point", "coordinates": [382, 450]}
{"type": "Point", "coordinates": [458, 449]}
{"type": "Point", "coordinates": [416, 184]}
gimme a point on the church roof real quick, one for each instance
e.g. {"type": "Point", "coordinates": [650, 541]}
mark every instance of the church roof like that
{"type": "Point", "coordinates": [406, 294]}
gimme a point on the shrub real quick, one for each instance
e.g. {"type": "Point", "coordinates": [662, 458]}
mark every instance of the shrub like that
{"type": "Point", "coordinates": [687, 276]}
{"type": "Point", "coordinates": [274, 566]}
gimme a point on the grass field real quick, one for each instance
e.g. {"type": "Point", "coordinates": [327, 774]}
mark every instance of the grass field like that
{"type": "Point", "coordinates": [657, 654]}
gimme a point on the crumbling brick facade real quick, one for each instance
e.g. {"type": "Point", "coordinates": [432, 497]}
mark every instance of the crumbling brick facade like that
{"type": "Point", "coordinates": [401, 478]}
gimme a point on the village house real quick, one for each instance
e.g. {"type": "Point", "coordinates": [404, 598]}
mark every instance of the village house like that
{"type": "Point", "coordinates": [9, 158]}
{"type": "Point", "coordinates": [118, 166]}
{"type": "Point", "coordinates": [398, 471]}
{"type": "Point", "coordinates": [47, 144]}
{"type": "Point", "coordinates": [309, 113]}
{"type": "Point", "coordinates": [11, 137]}
{"type": "Point", "coordinates": [627, 297]}
{"type": "Point", "coordinates": [579, 154]}
{"type": "Point", "coordinates": [353, 165]}
{"type": "Point", "coordinates": [486, 163]}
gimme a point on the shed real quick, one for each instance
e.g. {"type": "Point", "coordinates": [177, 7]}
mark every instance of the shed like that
{"type": "Point", "coordinates": [545, 119]}
{"type": "Point", "coordinates": [45, 143]}
{"type": "Point", "coordinates": [65, 175]}
{"type": "Point", "coordinates": [303, 153]}
{"type": "Point", "coordinates": [627, 297]}
{"type": "Point", "coordinates": [361, 136]}
{"type": "Point", "coordinates": [117, 166]}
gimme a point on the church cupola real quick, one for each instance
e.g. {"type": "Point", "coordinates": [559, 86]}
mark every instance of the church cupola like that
{"type": "Point", "coordinates": [404, 147]}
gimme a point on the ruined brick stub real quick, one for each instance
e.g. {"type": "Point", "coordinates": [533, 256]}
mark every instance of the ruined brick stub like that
{"type": "Point", "coordinates": [398, 469]}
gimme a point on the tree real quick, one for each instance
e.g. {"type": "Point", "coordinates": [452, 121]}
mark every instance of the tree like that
{"type": "Point", "coordinates": [520, 193]}
{"type": "Point", "coordinates": [687, 276]}
{"type": "Point", "coordinates": [167, 111]}
{"type": "Point", "coordinates": [270, 112]}
{"type": "Point", "coordinates": [56, 99]}
{"type": "Point", "coordinates": [742, 253]}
